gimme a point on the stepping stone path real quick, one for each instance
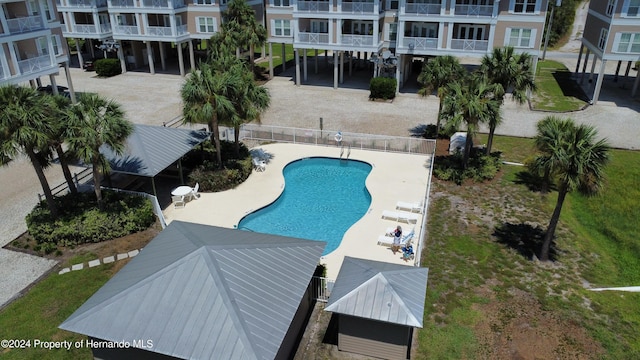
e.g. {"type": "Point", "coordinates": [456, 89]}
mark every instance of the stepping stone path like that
{"type": "Point", "coordinates": [97, 262]}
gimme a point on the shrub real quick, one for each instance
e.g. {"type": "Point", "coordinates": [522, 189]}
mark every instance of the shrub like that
{"type": "Point", "coordinates": [234, 173]}
{"type": "Point", "coordinates": [205, 154]}
{"type": "Point", "coordinates": [107, 67]}
{"type": "Point", "coordinates": [382, 88]}
{"type": "Point", "coordinates": [81, 222]}
{"type": "Point", "coordinates": [481, 167]}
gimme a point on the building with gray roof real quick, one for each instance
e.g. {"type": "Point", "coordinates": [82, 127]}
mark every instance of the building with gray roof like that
{"type": "Point", "coordinates": [378, 304]}
{"type": "Point", "coordinates": [205, 292]}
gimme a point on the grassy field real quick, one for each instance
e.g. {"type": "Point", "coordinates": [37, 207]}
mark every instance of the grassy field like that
{"type": "Point", "coordinates": [486, 298]}
{"type": "Point", "coordinates": [556, 90]}
{"type": "Point", "coordinates": [513, 149]}
{"type": "Point", "coordinates": [38, 314]}
{"type": "Point", "coordinates": [277, 55]}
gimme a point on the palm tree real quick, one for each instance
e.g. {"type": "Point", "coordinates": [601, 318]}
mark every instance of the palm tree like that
{"type": "Point", "coordinates": [512, 72]}
{"type": "Point", "coordinates": [436, 74]}
{"type": "Point", "coordinates": [59, 123]}
{"type": "Point", "coordinates": [574, 159]}
{"type": "Point", "coordinates": [473, 103]}
{"type": "Point", "coordinates": [240, 21]}
{"type": "Point", "coordinates": [24, 128]}
{"type": "Point", "coordinates": [206, 95]}
{"type": "Point", "coordinates": [249, 101]}
{"type": "Point", "coordinates": [95, 121]}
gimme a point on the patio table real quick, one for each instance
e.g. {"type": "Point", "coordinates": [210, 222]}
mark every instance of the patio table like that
{"type": "Point", "coordinates": [181, 191]}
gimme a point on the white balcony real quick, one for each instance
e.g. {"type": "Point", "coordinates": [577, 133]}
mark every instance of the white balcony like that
{"type": "Point", "coordinates": [91, 29]}
{"type": "Point", "coordinates": [313, 6]}
{"type": "Point", "coordinates": [166, 31]}
{"type": "Point", "coordinates": [469, 45]}
{"type": "Point", "coordinates": [357, 40]}
{"type": "Point", "coordinates": [474, 10]}
{"type": "Point", "coordinates": [122, 3]}
{"type": "Point", "coordinates": [125, 30]}
{"type": "Point", "coordinates": [35, 64]}
{"type": "Point", "coordinates": [419, 43]}
{"type": "Point", "coordinates": [313, 38]}
{"type": "Point", "coordinates": [358, 7]}
{"type": "Point", "coordinates": [422, 9]}
{"type": "Point", "coordinates": [162, 4]}
{"type": "Point", "coordinates": [25, 24]}
{"type": "Point", "coordinates": [86, 3]}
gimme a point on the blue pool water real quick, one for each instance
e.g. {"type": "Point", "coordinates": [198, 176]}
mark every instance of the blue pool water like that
{"type": "Point", "coordinates": [322, 198]}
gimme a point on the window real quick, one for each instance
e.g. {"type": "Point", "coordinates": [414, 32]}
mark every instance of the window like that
{"type": "Point", "coordinates": [57, 45]}
{"type": "Point", "coordinates": [628, 43]}
{"type": "Point", "coordinates": [393, 32]}
{"type": "Point", "coordinates": [281, 27]}
{"type": "Point", "coordinates": [206, 24]}
{"type": "Point", "coordinates": [33, 8]}
{"type": "Point", "coordinates": [43, 46]}
{"type": "Point", "coordinates": [48, 10]}
{"type": "Point", "coordinates": [319, 26]}
{"type": "Point", "coordinates": [281, 3]}
{"type": "Point", "coordinates": [603, 39]}
{"type": "Point", "coordinates": [521, 38]}
{"type": "Point", "coordinates": [632, 7]}
{"type": "Point", "coordinates": [392, 4]}
{"type": "Point", "coordinates": [525, 6]}
{"type": "Point", "coordinates": [610, 6]}
{"type": "Point", "coordinates": [203, 2]}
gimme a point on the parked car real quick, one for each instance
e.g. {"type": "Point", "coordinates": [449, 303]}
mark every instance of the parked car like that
{"type": "Point", "coordinates": [88, 65]}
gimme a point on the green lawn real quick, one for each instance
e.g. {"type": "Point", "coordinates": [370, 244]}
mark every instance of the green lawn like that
{"type": "Point", "coordinates": [513, 149]}
{"type": "Point", "coordinates": [473, 276]}
{"type": "Point", "coordinates": [288, 50]}
{"type": "Point", "coordinates": [556, 90]}
{"type": "Point", "coordinates": [38, 314]}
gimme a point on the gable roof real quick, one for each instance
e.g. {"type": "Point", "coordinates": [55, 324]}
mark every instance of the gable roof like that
{"type": "Point", "coordinates": [205, 292]}
{"type": "Point", "coordinates": [380, 291]}
{"type": "Point", "coordinates": [151, 149]}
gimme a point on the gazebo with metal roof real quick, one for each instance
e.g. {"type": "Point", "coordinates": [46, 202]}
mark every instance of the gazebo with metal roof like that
{"type": "Point", "coordinates": [151, 149]}
{"type": "Point", "coordinates": [199, 291]}
{"type": "Point", "coordinates": [378, 305]}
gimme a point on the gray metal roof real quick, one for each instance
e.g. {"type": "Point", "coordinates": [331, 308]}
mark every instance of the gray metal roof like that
{"type": "Point", "coordinates": [151, 149]}
{"type": "Point", "coordinates": [204, 292]}
{"type": "Point", "coordinates": [380, 291]}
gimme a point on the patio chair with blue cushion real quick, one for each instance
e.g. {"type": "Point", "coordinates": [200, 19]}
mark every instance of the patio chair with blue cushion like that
{"type": "Point", "coordinates": [385, 240]}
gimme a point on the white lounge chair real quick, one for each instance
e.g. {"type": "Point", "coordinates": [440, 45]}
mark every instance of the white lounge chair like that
{"type": "Point", "coordinates": [385, 240]}
{"type": "Point", "coordinates": [259, 165]}
{"type": "Point", "coordinates": [178, 201]}
{"type": "Point", "coordinates": [400, 216]}
{"type": "Point", "coordinates": [194, 192]}
{"type": "Point", "coordinates": [409, 206]}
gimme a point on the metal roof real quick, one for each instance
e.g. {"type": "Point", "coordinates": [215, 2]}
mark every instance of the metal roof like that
{"type": "Point", "coordinates": [380, 291]}
{"type": "Point", "coordinates": [204, 292]}
{"type": "Point", "coordinates": [151, 149]}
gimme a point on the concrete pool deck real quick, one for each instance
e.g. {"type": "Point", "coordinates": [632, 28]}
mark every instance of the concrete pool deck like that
{"type": "Point", "coordinates": [394, 177]}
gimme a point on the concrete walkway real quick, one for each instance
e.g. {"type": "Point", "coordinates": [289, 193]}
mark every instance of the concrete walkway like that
{"type": "Point", "coordinates": [154, 99]}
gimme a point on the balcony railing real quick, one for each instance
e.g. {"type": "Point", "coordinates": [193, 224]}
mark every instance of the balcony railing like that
{"type": "Point", "coordinates": [474, 10]}
{"type": "Point", "coordinates": [125, 30]}
{"type": "Point", "coordinates": [87, 3]}
{"type": "Point", "coordinates": [357, 7]}
{"type": "Point", "coordinates": [420, 43]}
{"type": "Point", "coordinates": [166, 30]}
{"type": "Point", "coordinates": [122, 3]}
{"type": "Point", "coordinates": [469, 45]}
{"type": "Point", "coordinates": [313, 38]}
{"type": "Point", "coordinates": [25, 24]}
{"type": "Point", "coordinates": [92, 29]}
{"type": "Point", "coordinates": [357, 40]}
{"type": "Point", "coordinates": [163, 4]}
{"type": "Point", "coordinates": [313, 6]}
{"type": "Point", "coordinates": [35, 64]}
{"type": "Point", "coordinates": [413, 8]}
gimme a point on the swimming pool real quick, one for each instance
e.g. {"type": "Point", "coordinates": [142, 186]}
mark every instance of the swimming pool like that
{"type": "Point", "coordinates": [322, 199]}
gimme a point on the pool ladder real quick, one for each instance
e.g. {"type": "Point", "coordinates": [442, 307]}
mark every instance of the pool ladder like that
{"type": "Point", "coordinates": [348, 151]}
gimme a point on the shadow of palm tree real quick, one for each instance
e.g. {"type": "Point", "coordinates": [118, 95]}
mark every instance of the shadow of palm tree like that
{"type": "Point", "coordinates": [532, 181]}
{"type": "Point", "coordinates": [524, 238]}
{"type": "Point", "coordinates": [419, 130]}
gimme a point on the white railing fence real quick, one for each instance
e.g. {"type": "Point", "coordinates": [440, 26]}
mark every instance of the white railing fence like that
{"type": "Point", "coordinates": [321, 288]}
{"type": "Point", "coordinates": [154, 202]}
{"type": "Point", "coordinates": [329, 138]}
